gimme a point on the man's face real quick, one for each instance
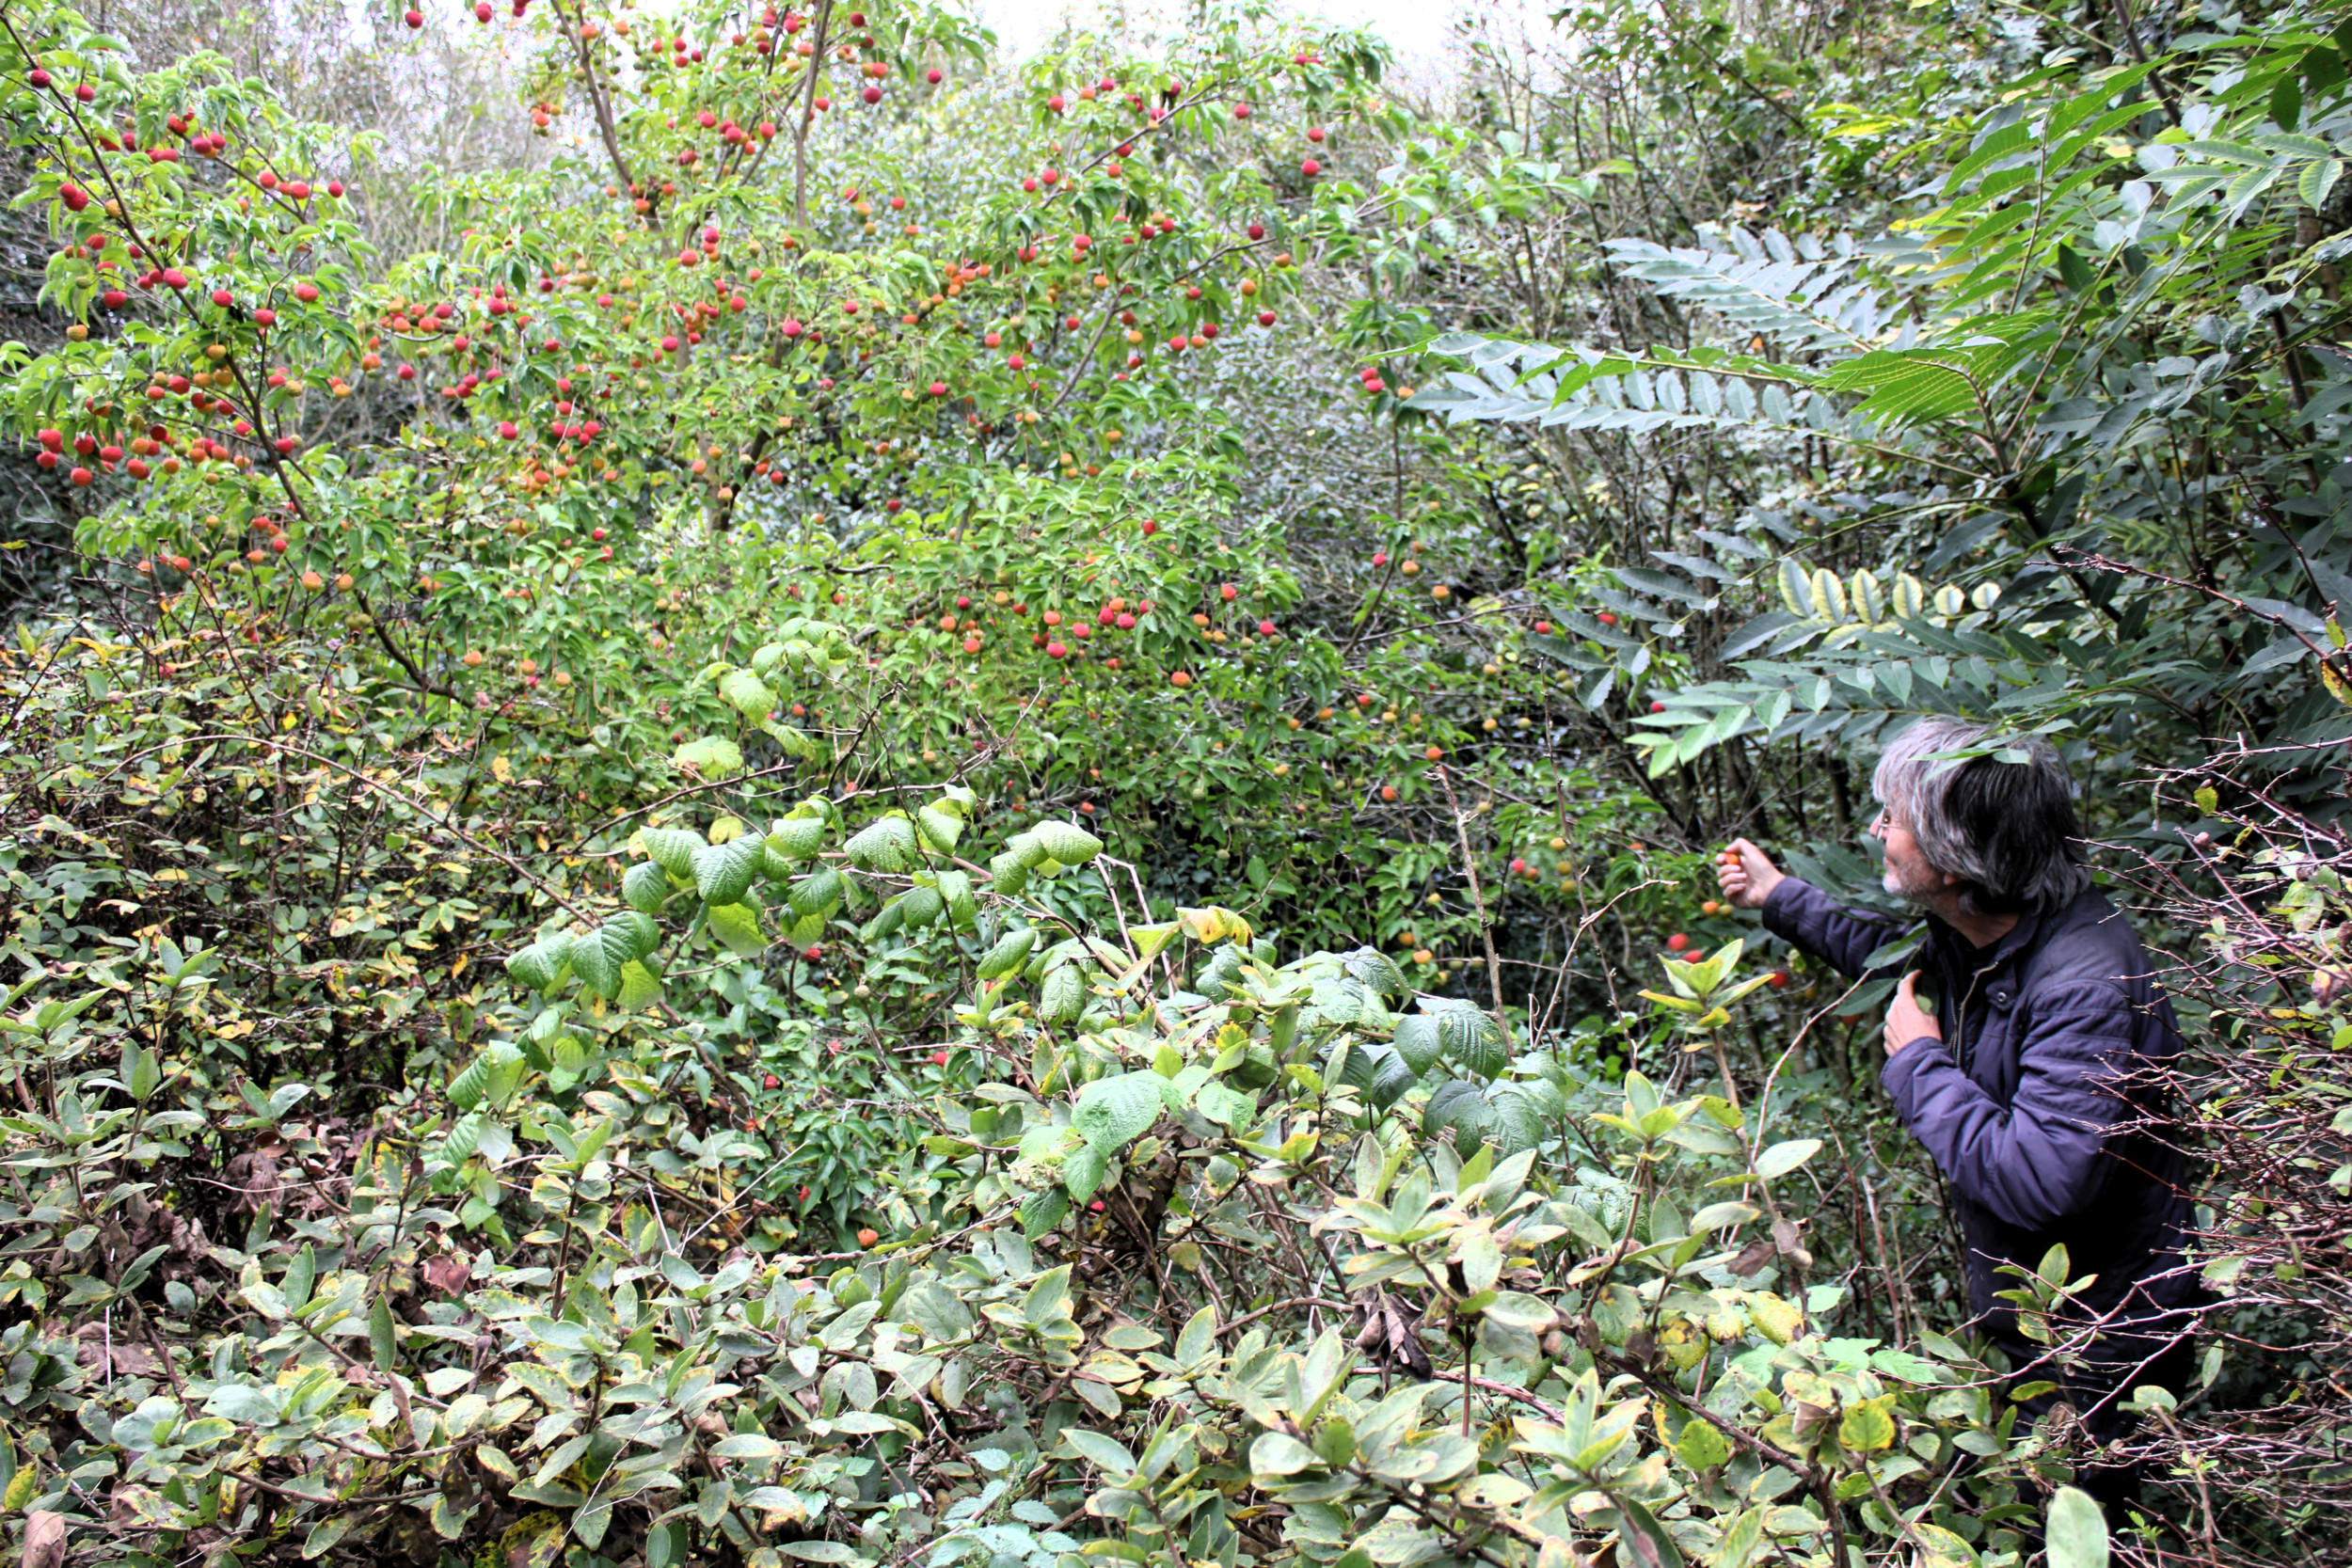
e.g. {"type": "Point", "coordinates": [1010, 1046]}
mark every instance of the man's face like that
{"type": "Point", "coordinates": [1908, 875]}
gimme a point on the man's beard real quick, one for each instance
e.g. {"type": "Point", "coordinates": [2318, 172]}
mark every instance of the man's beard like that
{"type": "Point", "coordinates": [1918, 888]}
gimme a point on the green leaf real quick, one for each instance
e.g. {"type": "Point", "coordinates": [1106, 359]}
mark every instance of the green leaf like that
{"type": "Point", "coordinates": [1113, 1111]}
{"type": "Point", "coordinates": [1460, 1109]}
{"type": "Point", "coordinates": [886, 844]}
{"type": "Point", "coordinates": [1701, 1447]}
{"type": "Point", "coordinates": [1007, 872]}
{"type": "Point", "coordinates": [712, 756]}
{"type": "Point", "coordinates": [597, 958]}
{"type": "Point", "coordinates": [747, 694]}
{"type": "Point", "coordinates": [724, 872]}
{"type": "Point", "coordinates": [1042, 1210]}
{"type": "Point", "coordinates": [1418, 1043]}
{"type": "Point", "coordinates": [540, 966]}
{"type": "Point", "coordinates": [1104, 1454]}
{"type": "Point", "coordinates": [2076, 1530]}
{"type": "Point", "coordinates": [1082, 1171]}
{"type": "Point", "coordinates": [645, 885]}
{"type": "Point", "coordinates": [1063, 996]}
{"type": "Point", "coordinates": [736, 926]}
{"type": "Point", "coordinates": [672, 848]}
{"type": "Point", "coordinates": [792, 839]}
{"type": "Point", "coordinates": [1066, 842]}
{"type": "Point", "coordinates": [1010, 953]}
{"type": "Point", "coordinates": [641, 987]}
{"type": "Point", "coordinates": [938, 830]}
{"type": "Point", "coordinates": [817, 893]}
{"type": "Point", "coordinates": [1782, 1158]}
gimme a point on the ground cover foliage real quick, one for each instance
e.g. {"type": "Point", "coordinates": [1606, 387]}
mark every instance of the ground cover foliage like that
{"type": "Point", "coordinates": [870, 806]}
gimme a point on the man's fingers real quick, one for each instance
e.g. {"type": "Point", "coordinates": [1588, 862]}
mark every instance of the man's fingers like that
{"type": "Point", "coordinates": [1903, 990]}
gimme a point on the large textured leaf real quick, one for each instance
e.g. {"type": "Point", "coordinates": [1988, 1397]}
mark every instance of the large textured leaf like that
{"type": "Point", "coordinates": [1113, 1111]}
{"type": "Point", "coordinates": [672, 848]}
{"type": "Point", "coordinates": [643, 886]}
{"type": "Point", "coordinates": [939, 829]}
{"type": "Point", "coordinates": [540, 965]}
{"type": "Point", "coordinates": [1082, 1171]}
{"type": "Point", "coordinates": [1007, 872]}
{"type": "Point", "coordinates": [747, 694]}
{"type": "Point", "coordinates": [922, 906]}
{"type": "Point", "coordinates": [1418, 1043]}
{"type": "Point", "coordinates": [1042, 1210]}
{"type": "Point", "coordinates": [1460, 1110]}
{"type": "Point", "coordinates": [1063, 995]}
{"type": "Point", "coordinates": [795, 838]}
{"type": "Point", "coordinates": [1067, 842]}
{"type": "Point", "coordinates": [1377, 970]}
{"type": "Point", "coordinates": [738, 927]}
{"type": "Point", "coordinates": [1520, 1124]}
{"type": "Point", "coordinates": [724, 872]}
{"type": "Point", "coordinates": [819, 893]}
{"type": "Point", "coordinates": [886, 844]}
{"type": "Point", "coordinates": [641, 986]}
{"type": "Point", "coordinates": [1470, 1037]}
{"type": "Point", "coordinates": [955, 888]}
{"type": "Point", "coordinates": [1010, 953]}
{"type": "Point", "coordinates": [598, 958]}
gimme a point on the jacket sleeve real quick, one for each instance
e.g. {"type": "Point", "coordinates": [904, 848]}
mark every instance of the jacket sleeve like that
{"type": "Point", "coordinates": [2042, 1159]}
{"type": "Point", "coordinates": [1800, 913]}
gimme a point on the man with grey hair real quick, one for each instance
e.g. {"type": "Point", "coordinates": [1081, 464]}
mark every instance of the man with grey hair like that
{"type": "Point", "coordinates": [2033, 1076]}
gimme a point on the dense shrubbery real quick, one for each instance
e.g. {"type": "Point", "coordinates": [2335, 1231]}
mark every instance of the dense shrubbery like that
{"type": "Point", "coordinates": [773, 864]}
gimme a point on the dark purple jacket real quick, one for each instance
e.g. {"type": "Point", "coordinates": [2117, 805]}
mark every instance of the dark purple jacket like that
{"type": "Point", "coordinates": [2029, 1102]}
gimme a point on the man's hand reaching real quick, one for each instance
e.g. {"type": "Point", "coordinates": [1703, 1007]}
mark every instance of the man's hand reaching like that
{"type": "Point", "coordinates": [1746, 874]}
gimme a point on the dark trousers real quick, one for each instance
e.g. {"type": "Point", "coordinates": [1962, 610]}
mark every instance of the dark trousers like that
{"type": "Point", "coordinates": [2098, 1387]}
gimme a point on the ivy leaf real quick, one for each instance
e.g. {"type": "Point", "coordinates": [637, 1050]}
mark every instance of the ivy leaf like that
{"type": "Point", "coordinates": [886, 844]}
{"type": "Point", "coordinates": [1113, 1111]}
{"type": "Point", "coordinates": [724, 872]}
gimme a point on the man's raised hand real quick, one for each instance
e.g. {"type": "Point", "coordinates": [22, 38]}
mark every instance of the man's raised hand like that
{"type": "Point", "coordinates": [1746, 874]}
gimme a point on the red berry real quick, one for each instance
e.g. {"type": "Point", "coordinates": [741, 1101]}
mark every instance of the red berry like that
{"type": "Point", "coordinates": [1677, 942]}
